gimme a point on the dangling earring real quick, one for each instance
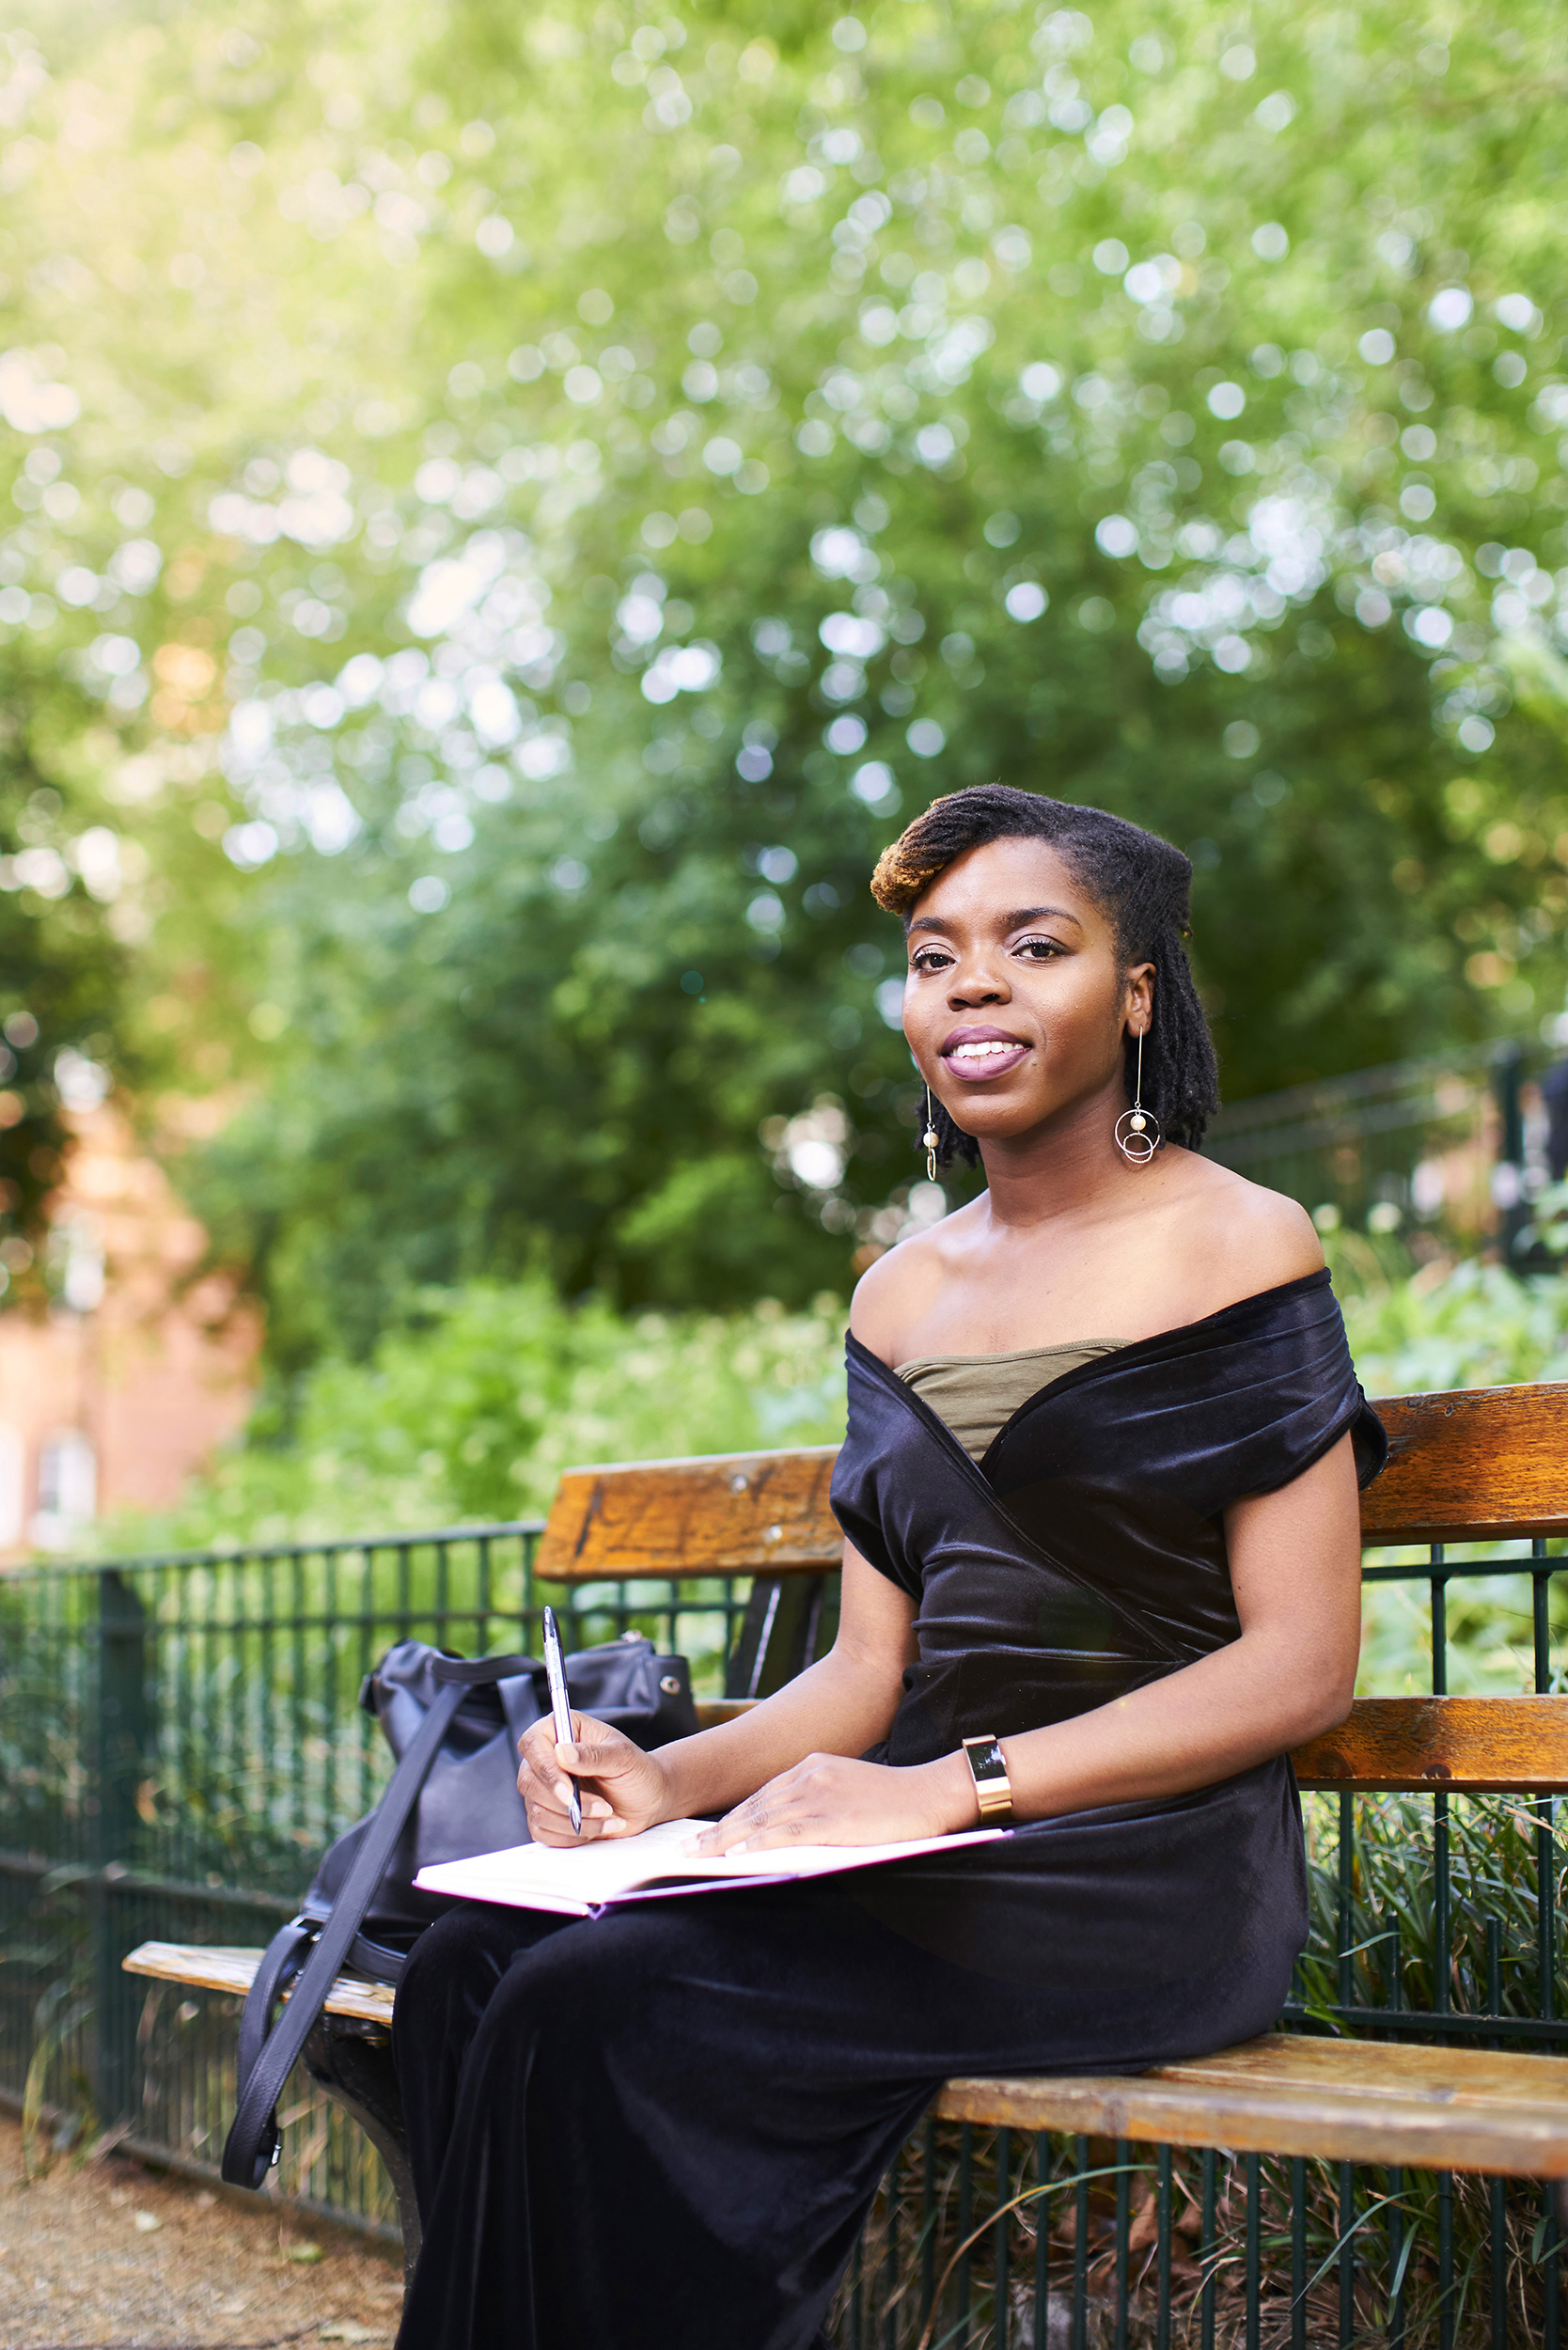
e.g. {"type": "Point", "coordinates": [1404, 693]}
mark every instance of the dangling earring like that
{"type": "Point", "coordinates": [1141, 1141]}
{"type": "Point", "coordinates": [929, 1140]}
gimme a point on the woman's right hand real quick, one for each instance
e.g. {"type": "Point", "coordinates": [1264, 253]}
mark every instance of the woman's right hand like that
{"type": "Point", "coordinates": [622, 1789]}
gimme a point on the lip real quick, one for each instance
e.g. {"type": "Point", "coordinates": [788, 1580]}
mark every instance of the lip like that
{"type": "Point", "coordinates": [996, 1065]}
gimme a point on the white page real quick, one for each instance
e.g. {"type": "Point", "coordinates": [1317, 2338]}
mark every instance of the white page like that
{"type": "Point", "coordinates": [572, 1881]}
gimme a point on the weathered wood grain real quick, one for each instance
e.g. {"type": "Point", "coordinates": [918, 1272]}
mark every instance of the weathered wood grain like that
{"type": "Point", "coordinates": [726, 1513]}
{"type": "Point", "coordinates": [1468, 1465]}
{"type": "Point", "coordinates": [1472, 1465]}
{"type": "Point", "coordinates": [1466, 1746]}
{"type": "Point", "coordinates": [1423, 1746]}
{"type": "Point", "coordinates": [224, 1967]}
{"type": "Point", "coordinates": [1342, 2100]}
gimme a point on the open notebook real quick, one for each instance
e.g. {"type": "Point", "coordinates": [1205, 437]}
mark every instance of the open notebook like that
{"type": "Point", "coordinates": [651, 1866]}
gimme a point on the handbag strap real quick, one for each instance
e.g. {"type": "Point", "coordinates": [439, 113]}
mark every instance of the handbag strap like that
{"type": "Point", "coordinates": [268, 2054]}
{"type": "Point", "coordinates": [280, 1961]}
{"type": "Point", "coordinates": [468, 1672]}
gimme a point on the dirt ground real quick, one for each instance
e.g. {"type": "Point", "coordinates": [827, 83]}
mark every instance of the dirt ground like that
{"type": "Point", "coordinates": [115, 2255]}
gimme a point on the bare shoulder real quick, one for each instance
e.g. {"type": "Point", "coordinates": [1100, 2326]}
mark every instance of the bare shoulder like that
{"type": "Point", "coordinates": [894, 1294]}
{"type": "Point", "coordinates": [1255, 1239]}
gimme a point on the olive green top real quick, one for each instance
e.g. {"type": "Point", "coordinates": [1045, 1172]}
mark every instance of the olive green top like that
{"type": "Point", "coordinates": [977, 1394]}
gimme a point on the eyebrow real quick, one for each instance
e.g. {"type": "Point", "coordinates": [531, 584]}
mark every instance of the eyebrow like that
{"type": "Point", "coordinates": [1013, 922]}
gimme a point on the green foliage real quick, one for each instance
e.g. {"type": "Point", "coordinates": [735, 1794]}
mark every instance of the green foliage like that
{"type": "Point", "coordinates": [60, 965]}
{"type": "Point", "coordinates": [475, 1399]}
{"type": "Point", "coordinates": [1548, 1226]}
{"type": "Point", "coordinates": [473, 1404]}
{"type": "Point", "coordinates": [1392, 1923]}
{"type": "Point", "coordinates": [596, 478]}
{"type": "Point", "coordinates": [1464, 1325]}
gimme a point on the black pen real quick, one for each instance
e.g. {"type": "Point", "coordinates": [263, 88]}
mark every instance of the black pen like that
{"type": "Point", "coordinates": [561, 1708]}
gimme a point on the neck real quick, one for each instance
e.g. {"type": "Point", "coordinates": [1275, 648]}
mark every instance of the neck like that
{"type": "Point", "coordinates": [1068, 1167]}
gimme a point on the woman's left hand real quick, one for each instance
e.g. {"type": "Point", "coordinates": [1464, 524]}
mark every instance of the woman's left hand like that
{"type": "Point", "coordinates": [833, 1799]}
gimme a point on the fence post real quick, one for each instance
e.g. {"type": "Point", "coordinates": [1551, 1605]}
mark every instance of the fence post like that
{"type": "Point", "coordinates": [123, 1738]}
{"type": "Point", "coordinates": [1508, 1185]}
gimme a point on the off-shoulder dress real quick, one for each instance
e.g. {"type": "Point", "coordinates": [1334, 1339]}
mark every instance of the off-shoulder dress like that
{"type": "Point", "coordinates": [659, 2129]}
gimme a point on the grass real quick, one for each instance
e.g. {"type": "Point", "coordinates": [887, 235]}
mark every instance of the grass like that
{"type": "Point", "coordinates": [1103, 2239]}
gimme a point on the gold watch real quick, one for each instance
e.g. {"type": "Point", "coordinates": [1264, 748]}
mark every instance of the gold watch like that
{"type": "Point", "coordinates": [993, 1788]}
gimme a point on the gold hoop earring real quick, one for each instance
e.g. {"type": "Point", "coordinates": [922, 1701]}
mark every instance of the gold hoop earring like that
{"type": "Point", "coordinates": [929, 1139]}
{"type": "Point", "coordinates": [1142, 1137]}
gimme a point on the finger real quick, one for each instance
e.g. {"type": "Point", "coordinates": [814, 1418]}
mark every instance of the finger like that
{"type": "Point", "coordinates": [546, 1811]}
{"type": "Point", "coordinates": [597, 1758]}
{"type": "Point", "coordinates": [543, 1733]}
{"type": "Point", "coordinates": [557, 1834]}
{"type": "Point", "coordinates": [734, 1831]}
{"type": "Point", "coordinates": [552, 1792]}
{"type": "Point", "coordinates": [779, 1835]}
{"type": "Point", "coordinates": [768, 1802]}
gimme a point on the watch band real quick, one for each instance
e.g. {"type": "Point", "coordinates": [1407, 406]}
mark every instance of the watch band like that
{"type": "Point", "coordinates": [988, 1768]}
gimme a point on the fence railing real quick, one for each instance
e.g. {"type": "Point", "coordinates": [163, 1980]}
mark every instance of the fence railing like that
{"type": "Point", "coordinates": [1454, 1145]}
{"type": "Point", "coordinates": [180, 1736]}
{"type": "Point", "coordinates": [179, 1740]}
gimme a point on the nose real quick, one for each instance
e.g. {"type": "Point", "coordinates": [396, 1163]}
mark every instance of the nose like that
{"type": "Point", "coordinates": [975, 981]}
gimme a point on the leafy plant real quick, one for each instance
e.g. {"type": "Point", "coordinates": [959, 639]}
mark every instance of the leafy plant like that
{"type": "Point", "coordinates": [1470, 1324]}
{"type": "Point", "coordinates": [50, 2127]}
{"type": "Point", "coordinates": [477, 1396]}
{"type": "Point", "coordinates": [474, 1402]}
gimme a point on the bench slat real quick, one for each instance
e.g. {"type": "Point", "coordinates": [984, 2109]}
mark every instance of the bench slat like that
{"type": "Point", "coordinates": [1342, 2100]}
{"type": "Point", "coordinates": [726, 1513]}
{"type": "Point", "coordinates": [1338, 2100]}
{"type": "Point", "coordinates": [1422, 1745]}
{"type": "Point", "coordinates": [224, 1967]}
{"type": "Point", "coordinates": [1463, 1745]}
{"type": "Point", "coordinates": [1472, 1464]}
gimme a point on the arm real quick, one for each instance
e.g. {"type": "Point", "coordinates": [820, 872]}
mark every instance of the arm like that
{"type": "Point", "coordinates": [837, 1707]}
{"type": "Point", "coordinates": [840, 1706]}
{"type": "Point", "coordinates": [1295, 1569]}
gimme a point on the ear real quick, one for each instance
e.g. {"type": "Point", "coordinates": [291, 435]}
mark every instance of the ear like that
{"type": "Point", "coordinates": [1140, 998]}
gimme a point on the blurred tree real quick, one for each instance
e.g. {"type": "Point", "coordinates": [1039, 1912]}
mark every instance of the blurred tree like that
{"type": "Point", "coordinates": [61, 970]}
{"type": "Point", "coordinates": [550, 497]}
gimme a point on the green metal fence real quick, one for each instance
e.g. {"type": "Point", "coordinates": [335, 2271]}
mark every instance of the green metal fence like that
{"type": "Point", "coordinates": [1435, 1917]}
{"type": "Point", "coordinates": [1446, 1150]}
{"type": "Point", "coordinates": [179, 1737]}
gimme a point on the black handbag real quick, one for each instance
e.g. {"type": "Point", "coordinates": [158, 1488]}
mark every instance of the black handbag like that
{"type": "Point", "coordinates": [453, 1723]}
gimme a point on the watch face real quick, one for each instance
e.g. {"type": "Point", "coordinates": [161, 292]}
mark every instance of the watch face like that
{"type": "Point", "coordinates": [987, 1761]}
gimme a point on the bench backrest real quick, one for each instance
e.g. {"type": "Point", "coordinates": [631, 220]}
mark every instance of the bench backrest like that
{"type": "Point", "coordinates": [1473, 1464]}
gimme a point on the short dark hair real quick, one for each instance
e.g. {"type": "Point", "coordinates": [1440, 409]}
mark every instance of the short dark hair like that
{"type": "Point", "coordinates": [1139, 880]}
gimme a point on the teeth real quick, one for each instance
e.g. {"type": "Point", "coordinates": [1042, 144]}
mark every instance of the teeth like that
{"type": "Point", "coordinates": [990, 1051]}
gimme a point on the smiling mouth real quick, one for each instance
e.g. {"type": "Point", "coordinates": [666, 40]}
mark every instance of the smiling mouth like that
{"type": "Point", "coordinates": [979, 1058]}
{"type": "Point", "coordinates": [985, 1053]}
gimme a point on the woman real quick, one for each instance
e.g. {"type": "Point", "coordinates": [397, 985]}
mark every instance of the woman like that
{"type": "Point", "coordinates": [1099, 1492]}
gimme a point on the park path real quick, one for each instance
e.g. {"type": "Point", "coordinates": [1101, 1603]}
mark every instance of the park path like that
{"type": "Point", "coordinates": [114, 2254]}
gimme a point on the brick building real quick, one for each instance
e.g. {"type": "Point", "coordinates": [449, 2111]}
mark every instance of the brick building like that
{"type": "Point", "coordinates": [112, 1396]}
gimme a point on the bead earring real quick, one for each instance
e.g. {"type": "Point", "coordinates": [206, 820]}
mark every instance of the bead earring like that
{"type": "Point", "coordinates": [1140, 1142]}
{"type": "Point", "coordinates": [929, 1140]}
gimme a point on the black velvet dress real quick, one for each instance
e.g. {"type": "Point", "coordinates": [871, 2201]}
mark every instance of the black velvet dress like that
{"type": "Point", "coordinates": [659, 2129]}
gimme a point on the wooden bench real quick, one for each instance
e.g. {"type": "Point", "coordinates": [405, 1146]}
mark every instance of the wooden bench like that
{"type": "Point", "coordinates": [1475, 1465]}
